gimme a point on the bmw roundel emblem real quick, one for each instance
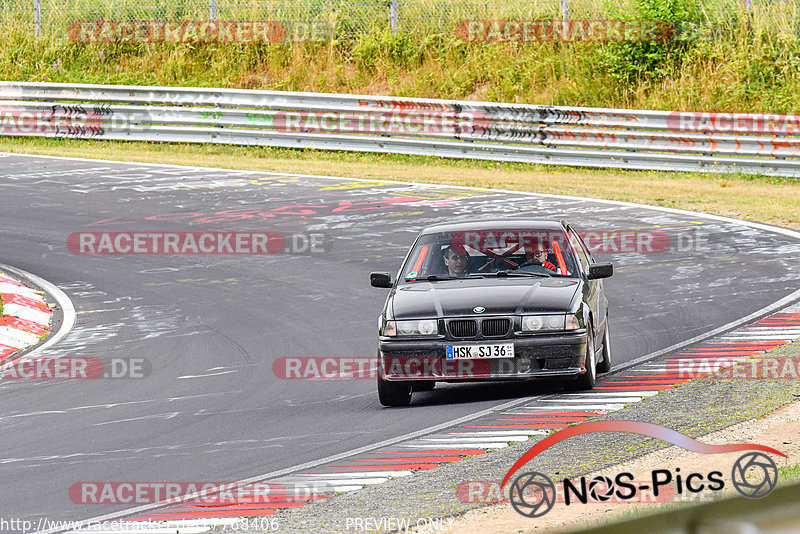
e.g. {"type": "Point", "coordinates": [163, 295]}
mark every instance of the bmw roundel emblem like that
{"type": "Point", "coordinates": [479, 309]}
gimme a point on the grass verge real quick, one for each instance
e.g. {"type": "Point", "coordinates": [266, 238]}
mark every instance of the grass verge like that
{"type": "Point", "coordinates": [771, 200]}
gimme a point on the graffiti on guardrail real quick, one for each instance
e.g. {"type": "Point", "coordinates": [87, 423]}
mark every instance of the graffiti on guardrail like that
{"type": "Point", "coordinates": [616, 138]}
{"type": "Point", "coordinates": [67, 120]}
{"type": "Point", "coordinates": [406, 105]}
{"type": "Point", "coordinates": [60, 120]}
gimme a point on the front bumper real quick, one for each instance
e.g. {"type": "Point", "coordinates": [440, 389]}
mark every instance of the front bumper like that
{"type": "Point", "coordinates": [540, 356]}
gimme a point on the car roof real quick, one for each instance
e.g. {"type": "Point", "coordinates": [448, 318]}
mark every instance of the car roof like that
{"type": "Point", "coordinates": [496, 224]}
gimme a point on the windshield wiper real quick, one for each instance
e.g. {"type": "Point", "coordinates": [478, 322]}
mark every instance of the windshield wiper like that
{"type": "Point", "coordinates": [516, 273]}
{"type": "Point", "coordinates": [431, 277]}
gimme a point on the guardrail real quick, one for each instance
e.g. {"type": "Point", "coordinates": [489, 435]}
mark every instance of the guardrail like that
{"type": "Point", "coordinates": [617, 138]}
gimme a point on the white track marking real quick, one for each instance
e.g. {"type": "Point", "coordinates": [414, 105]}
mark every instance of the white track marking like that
{"type": "Point", "coordinates": [456, 446]}
{"type": "Point", "coordinates": [210, 374]}
{"type": "Point", "coordinates": [367, 474]}
{"type": "Point", "coordinates": [501, 433]}
{"type": "Point", "coordinates": [595, 394]}
{"type": "Point", "coordinates": [572, 407]}
{"type": "Point", "coordinates": [476, 439]}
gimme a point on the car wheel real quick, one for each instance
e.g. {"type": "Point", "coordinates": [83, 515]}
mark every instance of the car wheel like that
{"type": "Point", "coordinates": [586, 380]}
{"type": "Point", "coordinates": [394, 393]}
{"type": "Point", "coordinates": [428, 385]}
{"type": "Point", "coordinates": [605, 365]}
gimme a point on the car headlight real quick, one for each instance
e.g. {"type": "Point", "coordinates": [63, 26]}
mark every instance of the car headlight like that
{"type": "Point", "coordinates": [424, 327]}
{"type": "Point", "coordinates": [540, 323]}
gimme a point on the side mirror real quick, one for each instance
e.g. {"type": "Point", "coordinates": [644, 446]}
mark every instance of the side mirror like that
{"type": "Point", "coordinates": [380, 280]}
{"type": "Point", "coordinates": [600, 270]}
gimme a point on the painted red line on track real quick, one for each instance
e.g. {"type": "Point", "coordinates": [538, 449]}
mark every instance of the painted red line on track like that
{"type": "Point", "coordinates": [199, 515]}
{"type": "Point", "coordinates": [538, 419]}
{"type": "Point", "coordinates": [383, 466]}
{"type": "Point", "coordinates": [5, 280]}
{"type": "Point", "coordinates": [414, 459]}
{"type": "Point", "coordinates": [551, 420]}
{"type": "Point", "coordinates": [538, 425]}
{"type": "Point", "coordinates": [22, 324]}
{"type": "Point", "coordinates": [13, 298]}
{"type": "Point", "coordinates": [634, 387]}
{"type": "Point", "coordinates": [580, 413]}
{"type": "Point", "coordinates": [650, 382]}
{"type": "Point", "coordinates": [544, 414]}
{"type": "Point", "coordinates": [659, 375]}
{"type": "Point", "coordinates": [722, 349]}
{"type": "Point", "coordinates": [704, 354]}
{"type": "Point", "coordinates": [743, 344]}
{"type": "Point", "coordinates": [5, 350]}
{"type": "Point", "coordinates": [463, 452]}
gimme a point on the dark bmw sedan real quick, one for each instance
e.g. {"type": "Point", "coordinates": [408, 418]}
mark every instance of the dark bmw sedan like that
{"type": "Point", "coordinates": [493, 300]}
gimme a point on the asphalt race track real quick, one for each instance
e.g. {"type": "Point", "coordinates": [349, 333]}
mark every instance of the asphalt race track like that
{"type": "Point", "coordinates": [211, 326]}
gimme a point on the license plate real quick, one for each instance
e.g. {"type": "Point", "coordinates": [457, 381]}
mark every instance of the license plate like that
{"type": "Point", "coordinates": [486, 350]}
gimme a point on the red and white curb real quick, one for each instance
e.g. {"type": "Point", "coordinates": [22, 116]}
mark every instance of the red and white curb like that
{"type": "Point", "coordinates": [25, 318]}
{"type": "Point", "coordinates": [478, 436]}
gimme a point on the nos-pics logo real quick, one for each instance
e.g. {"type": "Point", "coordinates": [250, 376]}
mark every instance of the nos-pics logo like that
{"type": "Point", "coordinates": [533, 494]}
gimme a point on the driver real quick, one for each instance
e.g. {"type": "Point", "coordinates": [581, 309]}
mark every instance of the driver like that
{"type": "Point", "coordinates": [456, 262]}
{"type": "Point", "coordinates": [538, 257]}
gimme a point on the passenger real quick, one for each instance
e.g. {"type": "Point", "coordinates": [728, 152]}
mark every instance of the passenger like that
{"type": "Point", "coordinates": [456, 262]}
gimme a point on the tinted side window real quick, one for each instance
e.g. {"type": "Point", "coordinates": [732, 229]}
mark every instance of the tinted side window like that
{"type": "Point", "coordinates": [577, 246]}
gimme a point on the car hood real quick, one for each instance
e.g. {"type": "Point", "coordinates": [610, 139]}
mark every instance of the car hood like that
{"type": "Point", "coordinates": [448, 298]}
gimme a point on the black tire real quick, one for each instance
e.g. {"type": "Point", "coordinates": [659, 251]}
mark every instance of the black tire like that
{"type": "Point", "coordinates": [394, 393]}
{"type": "Point", "coordinates": [586, 381]}
{"type": "Point", "coordinates": [427, 385]}
{"type": "Point", "coordinates": [605, 365]}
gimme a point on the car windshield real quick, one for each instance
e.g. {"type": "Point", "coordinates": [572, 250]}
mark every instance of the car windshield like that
{"type": "Point", "coordinates": [493, 254]}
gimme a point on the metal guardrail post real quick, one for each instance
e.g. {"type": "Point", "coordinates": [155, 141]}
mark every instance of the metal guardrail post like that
{"type": "Point", "coordinates": [37, 17]}
{"type": "Point", "coordinates": [565, 9]}
{"type": "Point", "coordinates": [212, 10]}
{"type": "Point", "coordinates": [393, 15]}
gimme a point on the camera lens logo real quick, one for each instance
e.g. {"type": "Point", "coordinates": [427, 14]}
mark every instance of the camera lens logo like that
{"type": "Point", "coordinates": [601, 488]}
{"type": "Point", "coordinates": [754, 475]}
{"type": "Point", "coordinates": [532, 494]}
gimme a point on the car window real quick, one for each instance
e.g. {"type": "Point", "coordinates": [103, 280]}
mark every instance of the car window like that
{"type": "Point", "coordinates": [577, 246]}
{"type": "Point", "coordinates": [489, 252]}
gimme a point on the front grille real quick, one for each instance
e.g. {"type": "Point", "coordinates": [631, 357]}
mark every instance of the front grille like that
{"type": "Point", "coordinates": [464, 328]}
{"type": "Point", "coordinates": [495, 327]}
